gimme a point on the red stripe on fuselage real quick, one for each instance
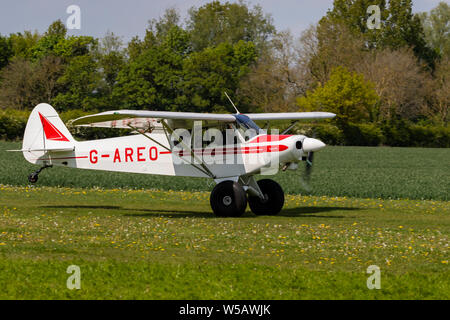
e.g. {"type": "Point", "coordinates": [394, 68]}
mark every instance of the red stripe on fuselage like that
{"type": "Point", "coordinates": [65, 158]}
{"type": "Point", "coordinates": [269, 138]}
{"type": "Point", "coordinates": [242, 150]}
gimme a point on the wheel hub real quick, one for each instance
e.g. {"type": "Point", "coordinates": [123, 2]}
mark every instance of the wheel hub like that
{"type": "Point", "coordinates": [266, 198]}
{"type": "Point", "coordinates": [227, 200]}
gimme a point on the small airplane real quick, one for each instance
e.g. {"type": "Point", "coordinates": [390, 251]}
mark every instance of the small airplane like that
{"type": "Point", "coordinates": [160, 145]}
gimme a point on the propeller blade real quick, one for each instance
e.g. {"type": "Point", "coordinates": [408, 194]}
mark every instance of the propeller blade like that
{"type": "Point", "coordinates": [306, 176]}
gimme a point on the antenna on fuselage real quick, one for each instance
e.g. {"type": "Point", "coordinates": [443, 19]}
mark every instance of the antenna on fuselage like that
{"type": "Point", "coordinates": [237, 111]}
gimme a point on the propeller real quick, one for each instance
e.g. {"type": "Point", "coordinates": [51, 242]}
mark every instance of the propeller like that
{"type": "Point", "coordinates": [305, 178]}
{"type": "Point", "coordinates": [309, 144]}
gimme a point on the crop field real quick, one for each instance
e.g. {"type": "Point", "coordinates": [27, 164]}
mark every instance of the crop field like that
{"type": "Point", "coordinates": [363, 172]}
{"type": "Point", "coordinates": [147, 237]}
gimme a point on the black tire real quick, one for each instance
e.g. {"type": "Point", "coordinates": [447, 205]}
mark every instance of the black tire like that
{"type": "Point", "coordinates": [228, 199]}
{"type": "Point", "coordinates": [33, 178]}
{"type": "Point", "coordinates": [275, 199]}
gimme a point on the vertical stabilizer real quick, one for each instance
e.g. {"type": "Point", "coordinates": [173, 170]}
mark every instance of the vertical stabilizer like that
{"type": "Point", "coordinates": [45, 132]}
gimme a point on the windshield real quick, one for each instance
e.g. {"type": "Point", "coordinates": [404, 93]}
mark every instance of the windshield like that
{"type": "Point", "coordinates": [246, 123]}
{"type": "Point", "coordinates": [247, 127]}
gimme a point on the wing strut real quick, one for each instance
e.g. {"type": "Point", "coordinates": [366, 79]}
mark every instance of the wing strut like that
{"type": "Point", "coordinates": [143, 133]}
{"type": "Point", "coordinates": [202, 164]}
{"type": "Point", "coordinates": [290, 127]}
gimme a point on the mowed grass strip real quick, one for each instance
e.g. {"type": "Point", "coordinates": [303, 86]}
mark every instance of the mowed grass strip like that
{"type": "Point", "coordinates": [133, 244]}
{"type": "Point", "coordinates": [361, 172]}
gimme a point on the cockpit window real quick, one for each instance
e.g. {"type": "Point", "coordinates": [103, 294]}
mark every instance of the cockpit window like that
{"type": "Point", "coordinates": [249, 127]}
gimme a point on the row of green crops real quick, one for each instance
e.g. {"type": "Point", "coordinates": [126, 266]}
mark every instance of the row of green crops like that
{"type": "Point", "coordinates": [364, 172]}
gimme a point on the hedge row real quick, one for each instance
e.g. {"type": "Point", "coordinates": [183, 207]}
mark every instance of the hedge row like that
{"type": "Point", "coordinates": [13, 123]}
{"type": "Point", "coordinates": [399, 134]}
{"type": "Point", "coordinates": [393, 134]}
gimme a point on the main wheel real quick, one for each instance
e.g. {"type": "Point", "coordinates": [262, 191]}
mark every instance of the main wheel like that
{"type": "Point", "coordinates": [274, 199]}
{"type": "Point", "coordinates": [228, 199]}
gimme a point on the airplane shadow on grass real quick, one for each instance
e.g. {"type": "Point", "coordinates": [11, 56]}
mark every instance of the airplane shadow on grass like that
{"type": "Point", "coordinates": [305, 212]}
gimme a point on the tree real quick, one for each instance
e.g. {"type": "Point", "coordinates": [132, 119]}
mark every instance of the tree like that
{"type": "Point", "coordinates": [56, 29]}
{"type": "Point", "coordinates": [400, 82]}
{"type": "Point", "coordinates": [329, 45]}
{"type": "Point", "coordinates": [440, 108]}
{"type": "Point", "coordinates": [168, 76]}
{"type": "Point", "coordinates": [74, 46]}
{"type": "Point", "coordinates": [213, 71]}
{"type": "Point", "coordinates": [46, 76]}
{"type": "Point", "coordinates": [46, 44]}
{"type": "Point", "coordinates": [16, 90]}
{"type": "Point", "coordinates": [276, 80]}
{"type": "Point", "coordinates": [25, 84]}
{"type": "Point", "coordinates": [22, 44]}
{"type": "Point", "coordinates": [79, 85]}
{"type": "Point", "coordinates": [161, 27]}
{"type": "Point", "coordinates": [151, 80]}
{"type": "Point", "coordinates": [215, 23]}
{"type": "Point", "coordinates": [347, 94]}
{"type": "Point", "coordinates": [436, 26]}
{"type": "Point", "coordinates": [111, 60]}
{"type": "Point", "coordinates": [55, 42]}
{"type": "Point", "coordinates": [399, 26]}
{"type": "Point", "coordinates": [5, 51]}
{"type": "Point", "coordinates": [156, 33]}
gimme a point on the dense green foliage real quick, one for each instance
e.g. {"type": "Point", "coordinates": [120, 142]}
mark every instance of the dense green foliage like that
{"type": "Point", "coordinates": [346, 94]}
{"type": "Point", "coordinates": [396, 134]}
{"type": "Point", "coordinates": [388, 86]}
{"type": "Point", "coordinates": [366, 172]}
{"type": "Point", "coordinates": [437, 28]}
{"type": "Point", "coordinates": [400, 26]}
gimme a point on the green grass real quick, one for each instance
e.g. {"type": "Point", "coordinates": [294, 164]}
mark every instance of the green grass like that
{"type": "Point", "coordinates": [148, 244]}
{"type": "Point", "coordinates": [364, 172]}
{"type": "Point", "coordinates": [133, 241]}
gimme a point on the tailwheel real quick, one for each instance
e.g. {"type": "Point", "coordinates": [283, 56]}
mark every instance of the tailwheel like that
{"type": "Point", "coordinates": [33, 177]}
{"type": "Point", "coordinates": [228, 199]}
{"type": "Point", "coordinates": [273, 199]}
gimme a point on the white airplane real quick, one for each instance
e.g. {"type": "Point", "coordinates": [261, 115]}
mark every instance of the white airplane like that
{"type": "Point", "coordinates": [160, 146]}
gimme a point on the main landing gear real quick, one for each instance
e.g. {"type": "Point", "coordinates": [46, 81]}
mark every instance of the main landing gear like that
{"type": "Point", "coordinates": [33, 177]}
{"type": "Point", "coordinates": [229, 198]}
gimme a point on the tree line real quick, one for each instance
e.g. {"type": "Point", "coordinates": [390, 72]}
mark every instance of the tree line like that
{"type": "Point", "coordinates": [387, 86]}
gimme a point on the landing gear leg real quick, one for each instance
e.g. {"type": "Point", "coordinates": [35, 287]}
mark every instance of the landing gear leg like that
{"type": "Point", "coordinates": [33, 177]}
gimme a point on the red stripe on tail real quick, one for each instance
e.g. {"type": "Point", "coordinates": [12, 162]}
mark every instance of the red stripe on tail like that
{"type": "Point", "coordinates": [51, 132]}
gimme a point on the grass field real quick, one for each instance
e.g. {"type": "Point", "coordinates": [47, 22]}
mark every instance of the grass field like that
{"type": "Point", "coordinates": [133, 241]}
{"type": "Point", "coordinates": [135, 244]}
{"type": "Point", "coordinates": [364, 172]}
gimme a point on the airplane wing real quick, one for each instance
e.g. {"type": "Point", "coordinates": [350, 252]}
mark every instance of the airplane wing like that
{"type": "Point", "coordinates": [144, 119]}
{"type": "Point", "coordinates": [141, 119]}
{"type": "Point", "coordinates": [290, 116]}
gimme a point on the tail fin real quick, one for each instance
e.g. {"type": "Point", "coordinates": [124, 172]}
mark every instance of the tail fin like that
{"type": "Point", "coordinates": [45, 132]}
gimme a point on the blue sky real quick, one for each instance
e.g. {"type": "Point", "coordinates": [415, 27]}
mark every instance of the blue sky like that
{"type": "Point", "coordinates": [128, 18]}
